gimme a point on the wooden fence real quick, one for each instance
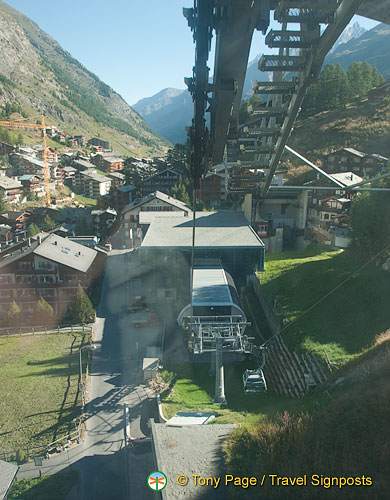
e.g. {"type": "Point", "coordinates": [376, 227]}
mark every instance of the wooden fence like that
{"type": "Point", "coordinates": [39, 330]}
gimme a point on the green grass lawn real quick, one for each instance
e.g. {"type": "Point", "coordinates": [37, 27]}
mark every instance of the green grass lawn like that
{"type": "Point", "coordinates": [193, 390]}
{"type": "Point", "coordinates": [39, 394]}
{"type": "Point", "coordinates": [347, 321]}
{"type": "Point", "coordinates": [88, 202]}
{"type": "Point", "coordinates": [44, 488]}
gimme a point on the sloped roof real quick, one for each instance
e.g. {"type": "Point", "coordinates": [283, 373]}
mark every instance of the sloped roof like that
{"type": "Point", "coordinates": [8, 183]}
{"type": "Point", "coordinates": [66, 252]}
{"type": "Point", "coordinates": [159, 195]}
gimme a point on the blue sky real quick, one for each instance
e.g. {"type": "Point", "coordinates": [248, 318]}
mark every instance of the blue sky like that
{"type": "Point", "coordinates": [136, 47]}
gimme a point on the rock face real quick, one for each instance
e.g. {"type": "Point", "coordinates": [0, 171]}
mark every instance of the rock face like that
{"type": "Point", "coordinates": [37, 74]}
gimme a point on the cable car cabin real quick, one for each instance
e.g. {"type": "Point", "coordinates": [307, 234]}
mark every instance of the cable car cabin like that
{"type": "Point", "coordinates": [214, 295]}
{"type": "Point", "coordinates": [254, 381]}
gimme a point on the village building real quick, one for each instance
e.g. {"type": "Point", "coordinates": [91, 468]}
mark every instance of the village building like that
{"type": "Point", "coordinates": [164, 181]}
{"type": "Point", "coordinates": [117, 179]}
{"type": "Point", "coordinates": [96, 141]}
{"type": "Point", "coordinates": [32, 183]}
{"type": "Point", "coordinates": [156, 202]}
{"type": "Point", "coordinates": [102, 220]}
{"type": "Point", "coordinates": [93, 185]}
{"type": "Point", "coordinates": [18, 221]}
{"type": "Point", "coordinates": [49, 267]}
{"type": "Point", "coordinates": [10, 189]}
{"type": "Point", "coordinates": [352, 160]}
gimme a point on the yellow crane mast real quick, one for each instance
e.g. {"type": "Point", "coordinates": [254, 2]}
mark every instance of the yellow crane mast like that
{"type": "Point", "coordinates": [36, 126]}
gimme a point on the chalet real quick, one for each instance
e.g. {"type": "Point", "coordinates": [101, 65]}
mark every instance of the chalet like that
{"type": "Point", "coordinates": [103, 220]}
{"type": "Point", "coordinates": [83, 165]}
{"type": "Point", "coordinates": [164, 181]}
{"type": "Point", "coordinates": [213, 186]}
{"type": "Point", "coordinates": [18, 221]}
{"type": "Point", "coordinates": [326, 207]}
{"type": "Point", "coordinates": [52, 154]}
{"type": "Point", "coordinates": [352, 160]}
{"type": "Point", "coordinates": [5, 235]}
{"type": "Point", "coordinates": [98, 159]}
{"type": "Point", "coordinates": [123, 195]}
{"type": "Point", "coordinates": [153, 202]}
{"type": "Point", "coordinates": [6, 149]}
{"type": "Point", "coordinates": [117, 179]}
{"type": "Point", "coordinates": [96, 141]}
{"type": "Point", "coordinates": [79, 140]}
{"type": "Point", "coordinates": [27, 164]}
{"type": "Point", "coordinates": [47, 266]}
{"type": "Point", "coordinates": [33, 183]}
{"type": "Point", "coordinates": [377, 94]}
{"type": "Point", "coordinates": [10, 189]}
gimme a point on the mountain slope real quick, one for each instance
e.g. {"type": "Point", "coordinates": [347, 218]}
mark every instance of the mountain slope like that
{"type": "Point", "coordinates": [364, 125]}
{"type": "Point", "coordinates": [40, 76]}
{"type": "Point", "coordinates": [168, 113]}
{"type": "Point", "coordinates": [350, 33]}
{"type": "Point", "coordinates": [170, 110]}
{"type": "Point", "coordinates": [373, 46]}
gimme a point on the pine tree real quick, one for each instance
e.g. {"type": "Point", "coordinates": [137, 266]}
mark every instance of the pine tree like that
{"type": "Point", "coordinates": [48, 223]}
{"type": "Point", "coordinates": [14, 314]}
{"type": "Point", "coordinates": [377, 78]}
{"type": "Point", "coordinates": [356, 79]}
{"type": "Point", "coordinates": [2, 204]}
{"type": "Point", "coordinates": [43, 313]}
{"type": "Point", "coordinates": [82, 310]}
{"type": "Point", "coordinates": [34, 229]}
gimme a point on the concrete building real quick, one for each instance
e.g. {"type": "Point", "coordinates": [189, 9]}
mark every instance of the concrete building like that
{"type": "Point", "coordinates": [223, 238]}
{"type": "Point", "coordinates": [190, 449]}
{"type": "Point", "coordinates": [94, 185]}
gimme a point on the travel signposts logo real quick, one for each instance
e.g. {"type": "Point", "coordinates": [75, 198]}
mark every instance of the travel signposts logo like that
{"type": "Point", "coordinates": [157, 481]}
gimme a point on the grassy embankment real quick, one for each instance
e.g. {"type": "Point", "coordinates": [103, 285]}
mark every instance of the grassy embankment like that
{"type": "Point", "coordinates": [347, 438]}
{"type": "Point", "coordinates": [40, 397]}
{"type": "Point", "coordinates": [343, 325]}
{"type": "Point", "coordinates": [45, 487]}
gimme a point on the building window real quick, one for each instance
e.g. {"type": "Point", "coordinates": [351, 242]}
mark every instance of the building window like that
{"type": "Point", "coordinates": [283, 209]}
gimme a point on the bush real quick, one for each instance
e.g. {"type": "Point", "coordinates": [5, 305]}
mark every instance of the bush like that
{"type": "Point", "coordinates": [20, 456]}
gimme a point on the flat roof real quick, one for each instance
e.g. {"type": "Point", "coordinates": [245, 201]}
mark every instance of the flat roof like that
{"type": "Point", "coordinates": [191, 449]}
{"type": "Point", "coordinates": [220, 229]}
{"type": "Point", "coordinates": [190, 418]}
{"type": "Point", "coordinates": [210, 287]}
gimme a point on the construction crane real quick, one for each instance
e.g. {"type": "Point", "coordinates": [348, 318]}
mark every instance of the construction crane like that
{"type": "Point", "coordinates": [36, 126]}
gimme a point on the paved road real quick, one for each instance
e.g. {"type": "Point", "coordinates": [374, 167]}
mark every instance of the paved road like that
{"type": "Point", "coordinates": [108, 470]}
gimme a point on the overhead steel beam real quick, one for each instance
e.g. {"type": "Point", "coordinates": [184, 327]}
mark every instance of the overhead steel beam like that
{"type": "Point", "coordinates": [343, 16]}
{"type": "Point", "coordinates": [378, 10]}
{"type": "Point", "coordinates": [314, 167]}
